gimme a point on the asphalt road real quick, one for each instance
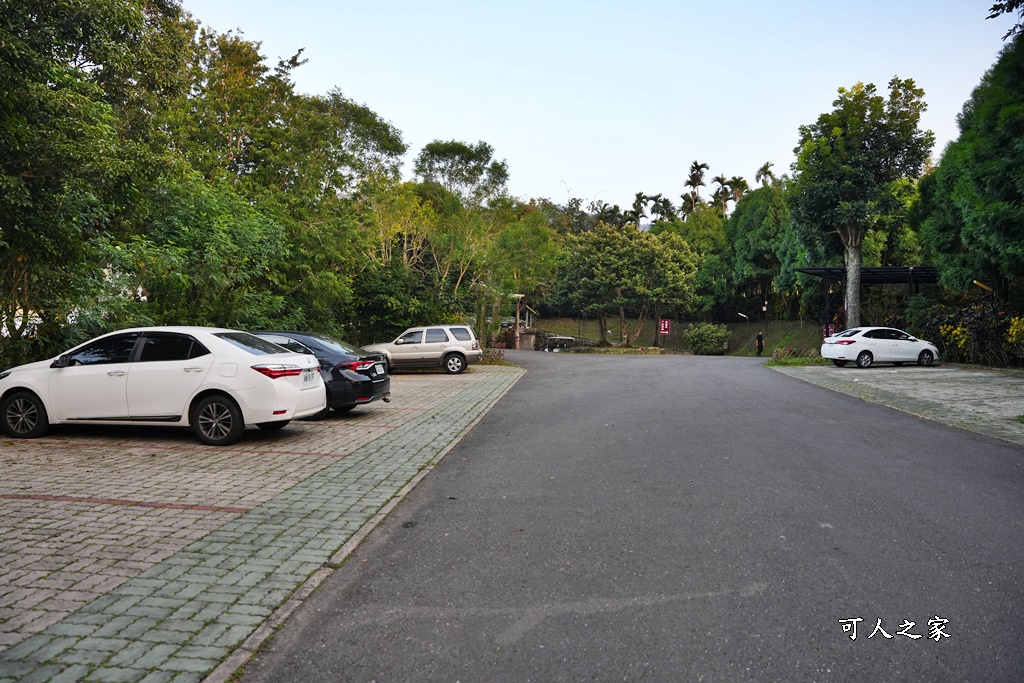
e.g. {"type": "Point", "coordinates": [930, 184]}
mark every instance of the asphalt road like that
{"type": "Point", "coordinates": [669, 518]}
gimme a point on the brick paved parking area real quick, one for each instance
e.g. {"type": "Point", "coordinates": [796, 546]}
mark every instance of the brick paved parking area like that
{"type": "Point", "coordinates": [143, 555]}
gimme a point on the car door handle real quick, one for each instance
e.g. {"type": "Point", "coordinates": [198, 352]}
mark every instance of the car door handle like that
{"type": "Point", "coordinates": [117, 373]}
{"type": "Point", "coordinates": [193, 369]}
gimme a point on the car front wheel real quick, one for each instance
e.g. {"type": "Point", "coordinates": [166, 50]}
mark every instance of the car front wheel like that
{"type": "Point", "coordinates": [926, 358]}
{"type": "Point", "coordinates": [24, 416]}
{"type": "Point", "coordinates": [839, 363]}
{"type": "Point", "coordinates": [217, 421]}
{"type": "Point", "coordinates": [454, 364]}
{"type": "Point", "coordinates": [864, 359]}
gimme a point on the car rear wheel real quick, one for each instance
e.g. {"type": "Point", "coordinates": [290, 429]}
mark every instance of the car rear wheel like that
{"type": "Point", "coordinates": [216, 420]}
{"type": "Point", "coordinates": [864, 359]}
{"type": "Point", "coordinates": [454, 363]}
{"type": "Point", "coordinates": [24, 416]}
{"type": "Point", "coordinates": [272, 426]}
{"type": "Point", "coordinates": [839, 363]}
{"type": "Point", "coordinates": [926, 358]}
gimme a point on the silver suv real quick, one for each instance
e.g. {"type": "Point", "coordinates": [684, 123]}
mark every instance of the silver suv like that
{"type": "Point", "coordinates": [450, 347]}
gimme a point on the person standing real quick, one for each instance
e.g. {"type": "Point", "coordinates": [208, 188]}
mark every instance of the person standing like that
{"type": "Point", "coordinates": [760, 343]}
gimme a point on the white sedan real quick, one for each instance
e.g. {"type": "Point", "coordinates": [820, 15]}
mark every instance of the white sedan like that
{"type": "Point", "coordinates": [210, 379]}
{"type": "Point", "coordinates": [868, 345]}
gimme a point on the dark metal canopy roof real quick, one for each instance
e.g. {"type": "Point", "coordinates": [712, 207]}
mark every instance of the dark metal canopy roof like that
{"type": "Point", "coordinates": [886, 275]}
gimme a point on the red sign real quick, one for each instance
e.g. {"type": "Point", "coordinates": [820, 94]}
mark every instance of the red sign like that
{"type": "Point", "coordinates": [664, 325]}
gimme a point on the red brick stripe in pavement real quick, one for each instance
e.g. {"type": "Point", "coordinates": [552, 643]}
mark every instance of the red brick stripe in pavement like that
{"type": "Point", "coordinates": [112, 501]}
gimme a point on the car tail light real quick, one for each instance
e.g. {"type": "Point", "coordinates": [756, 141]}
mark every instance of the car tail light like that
{"type": "Point", "coordinates": [356, 365]}
{"type": "Point", "coordinates": [476, 345]}
{"type": "Point", "coordinates": [844, 342]}
{"type": "Point", "coordinates": [276, 371]}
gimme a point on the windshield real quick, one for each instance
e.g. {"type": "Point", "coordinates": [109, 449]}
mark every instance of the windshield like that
{"type": "Point", "coordinates": [338, 345]}
{"type": "Point", "coordinates": [251, 343]}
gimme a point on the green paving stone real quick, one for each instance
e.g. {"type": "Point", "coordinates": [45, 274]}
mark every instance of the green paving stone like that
{"type": "Point", "coordinates": [43, 674]}
{"type": "Point", "coordinates": [66, 628]}
{"type": "Point", "coordinates": [187, 677]}
{"type": "Point", "coordinates": [196, 666]}
{"type": "Point", "coordinates": [91, 658]}
{"type": "Point", "coordinates": [71, 674]}
{"type": "Point", "coordinates": [26, 648]}
{"type": "Point", "coordinates": [113, 627]}
{"type": "Point", "coordinates": [54, 649]}
{"type": "Point", "coordinates": [221, 635]}
{"type": "Point", "coordinates": [102, 644]}
{"type": "Point", "coordinates": [14, 670]}
{"type": "Point", "coordinates": [110, 675]}
{"type": "Point", "coordinates": [203, 652]}
{"type": "Point", "coordinates": [143, 655]}
{"type": "Point", "coordinates": [158, 677]}
{"type": "Point", "coordinates": [162, 635]}
{"type": "Point", "coordinates": [138, 627]}
{"type": "Point", "coordinates": [184, 625]}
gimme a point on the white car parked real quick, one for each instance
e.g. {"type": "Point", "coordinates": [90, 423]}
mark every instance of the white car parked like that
{"type": "Point", "coordinates": [210, 379]}
{"type": "Point", "coordinates": [868, 345]}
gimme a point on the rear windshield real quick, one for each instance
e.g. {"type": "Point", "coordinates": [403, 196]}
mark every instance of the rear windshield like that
{"type": "Point", "coordinates": [338, 345]}
{"type": "Point", "coordinates": [251, 343]}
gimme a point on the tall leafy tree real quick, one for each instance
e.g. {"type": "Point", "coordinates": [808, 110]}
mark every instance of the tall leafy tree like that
{"type": "Point", "coordinates": [974, 203]}
{"type": "Point", "coordinates": [70, 155]}
{"type": "Point", "coordinates": [470, 172]}
{"type": "Point", "coordinates": [847, 161]}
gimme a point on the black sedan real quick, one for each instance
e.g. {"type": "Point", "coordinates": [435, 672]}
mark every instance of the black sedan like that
{"type": "Point", "coordinates": [354, 376]}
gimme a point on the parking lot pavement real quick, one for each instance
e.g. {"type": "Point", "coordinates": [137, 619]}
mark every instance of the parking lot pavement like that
{"type": "Point", "coordinates": [143, 555]}
{"type": "Point", "coordinates": [980, 400]}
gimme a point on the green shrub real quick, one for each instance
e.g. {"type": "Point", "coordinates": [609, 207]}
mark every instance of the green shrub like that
{"type": "Point", "coordinates": [707, 339]}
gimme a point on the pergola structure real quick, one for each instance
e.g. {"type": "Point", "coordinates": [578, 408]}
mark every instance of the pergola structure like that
{"type": "Point", "coordinates": [912, 276]}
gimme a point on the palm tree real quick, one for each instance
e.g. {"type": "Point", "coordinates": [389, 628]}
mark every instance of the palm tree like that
{"type": "Point", "coordinates": [607, 213]}
{"type": "Point", "coordinates": [722, 195]}
{"type": "Point", "coordinates": [687, 205]}
{"type": "Point", "coordinates": [764, 174]}
{"type": "Point", "coordinates": [739, 187]}
{"type": "Point", "coordinates": [639, 209]}
{"type": "Point", "coordinates": [696, 180]}
{"type": "Point", "coordinates": [662, 207]}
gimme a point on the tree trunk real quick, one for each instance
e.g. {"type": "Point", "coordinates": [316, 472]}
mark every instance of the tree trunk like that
{"type": "Point", "coordinates": [852, 255]}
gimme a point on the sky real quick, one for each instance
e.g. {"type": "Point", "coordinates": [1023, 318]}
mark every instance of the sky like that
{"type": "Point", "coordinates": [600, 100]}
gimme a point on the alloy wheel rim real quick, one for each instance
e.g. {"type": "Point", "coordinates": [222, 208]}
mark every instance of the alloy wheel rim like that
{"type": "Point", "coordinates": [22, 416]}
{"type": "Point", "coordinates": [215, 421]}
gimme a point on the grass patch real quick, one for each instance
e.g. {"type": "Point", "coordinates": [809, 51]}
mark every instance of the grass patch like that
{"type": "Point", "coordinates": [1020, 418]}
{"type": "Point", "coordinates": [787, 337]}
{"type": "Point", "coordinates": [797, 361]}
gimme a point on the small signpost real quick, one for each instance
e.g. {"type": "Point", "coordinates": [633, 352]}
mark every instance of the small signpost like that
{"type": "Point", "coordinates": [664, 326]}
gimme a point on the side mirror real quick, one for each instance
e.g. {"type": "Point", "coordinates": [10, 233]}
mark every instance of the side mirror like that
{"type": "Point", "coordinates": [399, 341]}
{"type": "Point", "coordinates": [62, 361]}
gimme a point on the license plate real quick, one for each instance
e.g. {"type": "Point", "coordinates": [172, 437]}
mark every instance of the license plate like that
{"type": "Point", "coordinates": [379, 368]}
{"type": "Point", "coordinates": [308, 376]}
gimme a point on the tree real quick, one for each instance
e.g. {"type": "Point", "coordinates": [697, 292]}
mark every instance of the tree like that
{"type": "Point", "coordinates": [973, 204]}
{"type": "Point", "coordinates": [721, 197]}
{"type": "Point", "coordinates": [1009, 7]}
{"type": "Point", "coordinates": [695, 181]}
{"type": "Point", "coordinates": [764, 174]}
{"type": "Point", "coordinates": [639, 210]}
{"type": "Point", "coordinates": [756, 231]}
{"type": "Point", "coordinates": [847, 161]}
{"type": "Point", "coordinates": [470, 172]}
{"type": "Point", "coordinates": [71, 161]}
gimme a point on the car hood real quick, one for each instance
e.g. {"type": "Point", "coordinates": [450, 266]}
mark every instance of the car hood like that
{"type": "Point", "coordinates": [39, 364]}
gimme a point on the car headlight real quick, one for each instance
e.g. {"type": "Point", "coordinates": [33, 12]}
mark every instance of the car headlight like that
{"type": "Point", "coordinates": [4, 374]}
